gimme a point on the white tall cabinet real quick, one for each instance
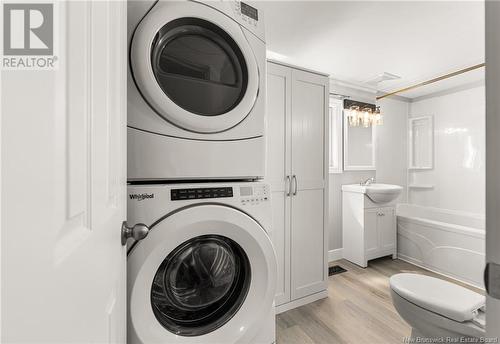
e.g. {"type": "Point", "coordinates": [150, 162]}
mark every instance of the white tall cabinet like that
{"type": "Point", "coordinates": [297, 151]}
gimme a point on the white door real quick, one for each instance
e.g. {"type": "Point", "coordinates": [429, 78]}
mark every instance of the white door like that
{"type": "Point", "coordinates": [493, 164]}
{"type": "Point", "coordinates": [309, 153]}
{"type": "Point", "coordinates": [64, 185]}
{"type": "Point", "coordinates": [278, 170]}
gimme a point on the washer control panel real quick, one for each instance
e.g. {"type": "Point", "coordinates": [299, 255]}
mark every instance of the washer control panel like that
{"type": "Point", "coordinates": [200, 193]}
{"type": "Point", "coordinates": [253, 195]}
{"type": "Point", "coordinates": [246, 194]}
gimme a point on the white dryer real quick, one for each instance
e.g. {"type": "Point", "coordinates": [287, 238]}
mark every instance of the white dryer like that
{"type": "Point", "coordinates": [196, 90]}
{"type": "Point", "coordinates": [206, 272]}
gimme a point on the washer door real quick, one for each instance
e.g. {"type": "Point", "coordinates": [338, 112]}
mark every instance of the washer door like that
{"type": "Point", "coordinates": [204, 274]}
{"type": "Point", "coordinates": [194, 66]}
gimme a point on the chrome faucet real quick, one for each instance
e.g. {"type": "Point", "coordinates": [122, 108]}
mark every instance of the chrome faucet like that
{"type": "Point", "coordinates": [367, 182]}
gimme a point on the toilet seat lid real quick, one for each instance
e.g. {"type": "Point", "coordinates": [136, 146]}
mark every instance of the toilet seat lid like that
{"type": "Point", "coordinates": [438, 296]}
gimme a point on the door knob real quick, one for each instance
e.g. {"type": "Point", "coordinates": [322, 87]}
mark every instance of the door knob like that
{"type": "Point", "coordinates": [492, 280]}
{"type": "Point", "coordinates": [138, 232]}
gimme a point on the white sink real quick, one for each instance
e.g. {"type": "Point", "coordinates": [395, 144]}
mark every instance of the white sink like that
{"type": "Point", "coordinates": [378, 193]}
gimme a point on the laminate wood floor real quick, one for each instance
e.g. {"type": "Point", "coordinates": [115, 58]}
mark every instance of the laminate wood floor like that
{"type": "Point", "coordinates": [358, 308]}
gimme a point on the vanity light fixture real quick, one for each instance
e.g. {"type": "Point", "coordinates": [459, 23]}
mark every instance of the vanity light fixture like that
{"type": "Point", "coordinates": [362, 114]}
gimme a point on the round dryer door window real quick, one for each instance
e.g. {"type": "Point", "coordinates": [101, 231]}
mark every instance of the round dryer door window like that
{"type": "Point", "coordinates": [200, 285]}
{"type": "Point", "coordinates": [199, 67]}
{"type": "Point", "coordinates": [194, 66]}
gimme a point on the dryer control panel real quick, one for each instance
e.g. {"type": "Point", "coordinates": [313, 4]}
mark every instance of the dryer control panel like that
{"type": "Point", "coordinates": [247, 13]}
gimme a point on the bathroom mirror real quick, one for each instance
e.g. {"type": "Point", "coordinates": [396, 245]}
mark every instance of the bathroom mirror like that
{"type": "Point", "coordinates": [421, 143]}
{"type": "Point", "coordinates": [359, 147]}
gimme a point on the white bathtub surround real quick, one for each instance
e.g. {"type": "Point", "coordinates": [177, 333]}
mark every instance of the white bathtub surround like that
{"type": "Point", "coordinates": [443, 228]}
{"type": "Point", "coordinates": [457, 179]}
{"type": "Point", "coordinates": [445, 241]}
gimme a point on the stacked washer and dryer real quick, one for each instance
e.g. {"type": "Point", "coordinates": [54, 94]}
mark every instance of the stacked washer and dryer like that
{"type": "Point", "coordinates": [206, 272]}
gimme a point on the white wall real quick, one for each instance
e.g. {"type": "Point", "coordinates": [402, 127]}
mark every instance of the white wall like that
{"type": "Point", "coordinates": [459, 142]}
{"type": "Point", "coordinates": [392, 147]}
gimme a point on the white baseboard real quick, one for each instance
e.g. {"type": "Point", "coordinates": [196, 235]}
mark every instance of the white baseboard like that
{"type": "Point", "coordinates": [335, 255]}
{"type": "Point", "coordinates": [301, 302]}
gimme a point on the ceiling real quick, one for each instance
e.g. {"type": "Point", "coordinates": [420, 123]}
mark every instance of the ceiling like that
{"type": "Point", "coordinates": [356, 41]}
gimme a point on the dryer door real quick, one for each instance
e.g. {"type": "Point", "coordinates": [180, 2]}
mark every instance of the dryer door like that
{"type": "Point", "coordinates": [194, 66]}
{"type": "Point", "coordinates": [204, 274]}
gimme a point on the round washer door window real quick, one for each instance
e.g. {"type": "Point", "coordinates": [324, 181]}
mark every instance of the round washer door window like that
{"type": "Point", "coordinates": [200, 285]}
{"type": "Point", "coordinates": [194, 66]}
{"type": "Point", "coordinates": [199, 66]}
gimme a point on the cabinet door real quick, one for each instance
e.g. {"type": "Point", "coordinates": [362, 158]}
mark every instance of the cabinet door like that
{"type": "Point", "coordinates": [371, 232]}
{"type": "Point", "coordinates": [309, 129]}
{"type": "Point", "coordinates": [309, 152]}
{"type": "Point", "coordinates": [386, 225]}
{"type": "Point", "coordinates": [308, 253]}
{"type": "Point", "coordinates": [277, 170]}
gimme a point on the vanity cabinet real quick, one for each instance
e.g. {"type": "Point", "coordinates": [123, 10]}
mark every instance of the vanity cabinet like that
{"type": "Point", "coordinates": [368, 229]}
{"type": "Point", "coordinates": [296, 169]}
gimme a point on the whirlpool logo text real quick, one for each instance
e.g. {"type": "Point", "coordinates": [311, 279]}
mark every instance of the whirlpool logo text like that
{"type": "Point", "coordinates": [141, 197]}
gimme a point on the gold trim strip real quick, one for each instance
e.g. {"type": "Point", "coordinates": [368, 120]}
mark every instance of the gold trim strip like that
{"type": "Point", "coordinates": [446, 76]}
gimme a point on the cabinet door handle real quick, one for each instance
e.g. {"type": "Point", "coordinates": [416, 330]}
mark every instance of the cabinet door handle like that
{"type": "Point", "coordinates": [381, 214]}
{"type": "Point", "coordinates": [295, 185]}
{"type": "Point", "coordinates": [288, 186]}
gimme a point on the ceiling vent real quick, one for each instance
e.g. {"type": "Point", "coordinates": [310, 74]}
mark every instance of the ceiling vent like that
{"type": "Point", "coordinates": [381, 78]}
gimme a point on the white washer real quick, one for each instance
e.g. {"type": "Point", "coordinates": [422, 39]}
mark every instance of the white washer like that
{"type": "Point", "coordinates": [206, 272]}
{"type": "Point", "coordinates": [196, 90]}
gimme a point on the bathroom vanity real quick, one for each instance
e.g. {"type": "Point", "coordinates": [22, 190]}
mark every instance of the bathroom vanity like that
{"type": "Point", "coordinates": [369, 221]}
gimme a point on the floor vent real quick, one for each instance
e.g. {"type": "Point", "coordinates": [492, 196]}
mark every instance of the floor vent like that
{"type": "Point", "coordinates": [336, 269]}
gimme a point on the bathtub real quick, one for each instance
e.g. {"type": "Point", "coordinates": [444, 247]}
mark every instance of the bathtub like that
{"type": "Point", "coordinates": [445, 241]}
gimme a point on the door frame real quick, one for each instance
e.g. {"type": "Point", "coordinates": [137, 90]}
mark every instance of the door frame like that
{"type": "Point", "coordinates": [492, 13]}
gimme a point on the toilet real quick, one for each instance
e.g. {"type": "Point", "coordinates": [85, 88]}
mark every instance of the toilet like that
{"type": "Point", "coordinates": [435, 308]}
